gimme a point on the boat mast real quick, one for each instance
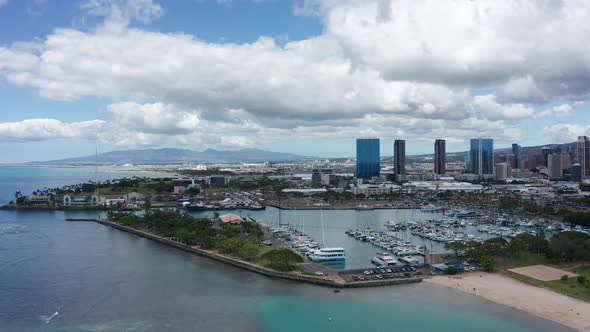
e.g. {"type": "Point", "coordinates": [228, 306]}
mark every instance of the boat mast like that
{"type": "Point", "coordinates": [97, 181]}
{"type": "Point", "coordinates": [279, 210]}
{"type": "Point", "coordinates": [322, 221]}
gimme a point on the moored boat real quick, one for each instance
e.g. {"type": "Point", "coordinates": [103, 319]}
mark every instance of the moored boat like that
{"type": "Point", "coordinates": [328, 255]}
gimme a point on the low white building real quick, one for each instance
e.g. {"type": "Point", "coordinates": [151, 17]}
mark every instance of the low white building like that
{"type": "Point", "coordinates": [374, 189]}
{"type": "Point", "coordinates": [444, 186]}
{"type": "Point", "coordinates": [305, 191]}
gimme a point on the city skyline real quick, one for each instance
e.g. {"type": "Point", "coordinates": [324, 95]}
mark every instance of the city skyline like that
{"type": "Point", "coordinates": [296, 76]}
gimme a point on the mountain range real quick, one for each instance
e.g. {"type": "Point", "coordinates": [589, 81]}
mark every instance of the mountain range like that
{"type": "Point", "coordinates": [182, 156]}
{"type": "Point", "coordinates": [177, 156]}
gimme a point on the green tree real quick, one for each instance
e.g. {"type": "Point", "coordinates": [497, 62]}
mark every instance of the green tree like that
{"type": "Point", "coordinates": [451, 270]}
{"type": "Point", "coordinates": [192, 191]}
{"type": "Point", "coordinates": [519, 244]}
{"type": "Point", "coordinates": [495, 246]}
{"type": "Point", "coordinates": [474, 250]}
{"type": "Point", "coordinates": [569, 246]}
{"type": "Point", "coordinates": [457, 248]}
{"type": "Point", "coordinates": [488, 263]}
{"type": "Point", "coordinates": [281, 259]}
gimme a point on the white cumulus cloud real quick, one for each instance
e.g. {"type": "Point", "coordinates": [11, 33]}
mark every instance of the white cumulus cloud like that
{"type": "Point", "coordinates": [379, 67]}
{"type": "Point", "coordinates": [43, 129]}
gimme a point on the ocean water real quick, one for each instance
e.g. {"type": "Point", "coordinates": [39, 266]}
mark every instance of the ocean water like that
{"type": "Point", "coordinates": [82, 276]}
{"type": "Point", "coordinates": [30, 178]}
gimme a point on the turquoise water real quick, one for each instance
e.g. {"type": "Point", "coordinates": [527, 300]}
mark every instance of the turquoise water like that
{"type": "Point", "coordinates": [99, 279]}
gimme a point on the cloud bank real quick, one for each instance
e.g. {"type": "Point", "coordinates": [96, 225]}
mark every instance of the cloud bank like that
{"type": "Point", "coordinates": [400, 68]}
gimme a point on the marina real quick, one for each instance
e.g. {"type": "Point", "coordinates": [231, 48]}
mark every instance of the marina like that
{"type": "Point", "coordinates": [399, 232]}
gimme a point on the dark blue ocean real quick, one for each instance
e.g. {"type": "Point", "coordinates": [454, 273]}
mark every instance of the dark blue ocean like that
{"type": "Point", "coordinates": [82, 276]}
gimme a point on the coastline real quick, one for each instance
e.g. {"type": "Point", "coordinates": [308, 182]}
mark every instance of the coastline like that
{"type": "Point", "coordinates": [538, 301]}
{"type": "Point", "coordinates": [326, 281]}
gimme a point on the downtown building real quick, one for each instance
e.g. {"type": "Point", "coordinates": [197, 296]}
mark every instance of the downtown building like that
{"type": "Point", "coordinates": [516, 156]}
{"type": "Point", "coordinates": [368, 158]}
{"type": "Point", "coordinates": [535, 158]}
{"type": "Point", "coordinates": [480, 158]}
{"type": "Point", "coordinates": [399, 158]}
{"type": "Point", "coordinates": [503, 171]}
{"type": "Point", "coordinates": [440, 157]}
{"type": "Point", "coordinates": [583, 155]}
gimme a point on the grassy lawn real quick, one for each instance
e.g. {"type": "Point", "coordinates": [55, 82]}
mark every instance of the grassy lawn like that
{"type": "Point", "coordinates": [520, 261]}
{"type": "Point", "coordinates": [261, 251]}
{"type": "Point", "coordinates": [570, 287]}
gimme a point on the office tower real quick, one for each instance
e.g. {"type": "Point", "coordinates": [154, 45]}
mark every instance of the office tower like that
{"type": "Point", "coordinates": [503, 171]}
{"type": "Point", "coordinates": [368, 160]}
{"type": "Point", "coordinates": [546, 151]}
{"type": "Point", "coordinates": [576, 172]}
{"type": "Point", "coordinates": [510, 159]}
{"type": "Point", "coordinates": [535, 158]}
{"type": "Point", "coordinates": [399, 157]}
{"type": "Point", "coordinates": [566, 160]}
{"type": "Point", "coordinates": [516, 153]}
{"type": "Point", "coordinates": [317, 175]}
{"type": "Point", "coordinates": [440, 156]}
{"type": "Point", "coordinates": [481, 156]}
{"type": "Point", "coordinates": [583, 155]}
{"type": "Point", "coordinates": [554, 169]}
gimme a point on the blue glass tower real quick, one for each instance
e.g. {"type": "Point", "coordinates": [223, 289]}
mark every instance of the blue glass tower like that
{"type": "Point", "coordinates": [368, 159]}
{"type": "Point", "coordinates": [516, 153]}
{"type": "Point", "coordinates": [480, 158]}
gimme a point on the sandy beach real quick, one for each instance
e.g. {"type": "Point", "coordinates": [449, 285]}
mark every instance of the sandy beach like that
{"type": "Point", "coordinates": [537, 301]}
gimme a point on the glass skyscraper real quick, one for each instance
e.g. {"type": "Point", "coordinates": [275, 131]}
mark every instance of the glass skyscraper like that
{"type": "Point", "coordinates": [583, 154]}
{"type": "Point", "coordinates": [480, 158]}
{"type": "Point", "coordinates": [399, 157]}
{"type": "Point", "coordinates": [368, 158]}
{"type": "Point", "coordinates": [440, 156]}
{"type": "Point", "coordinates": [516, 153]}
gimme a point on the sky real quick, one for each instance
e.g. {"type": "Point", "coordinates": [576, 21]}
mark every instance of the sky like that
{"type": "Point", "coordinates": [305, 76]}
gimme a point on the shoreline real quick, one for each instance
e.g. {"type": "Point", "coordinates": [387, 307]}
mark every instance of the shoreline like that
{"type": "Point", "coordinates": [537, 301]}
{"type": "Point", "coordinates": [247, 266]}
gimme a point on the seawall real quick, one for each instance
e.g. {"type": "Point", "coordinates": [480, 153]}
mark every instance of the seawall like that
{"type": "Point", "coordinates": [249, 266]}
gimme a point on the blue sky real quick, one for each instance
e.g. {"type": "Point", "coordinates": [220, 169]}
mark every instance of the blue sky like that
{"type": "Point", "coordinates": [306, 77]}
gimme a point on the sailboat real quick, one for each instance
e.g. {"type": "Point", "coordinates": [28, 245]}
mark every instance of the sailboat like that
{"type": "Point", "coordinates": [327, 254]}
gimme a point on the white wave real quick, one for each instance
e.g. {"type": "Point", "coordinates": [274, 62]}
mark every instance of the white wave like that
{"type": "Point", "coordinates": [47, 318]}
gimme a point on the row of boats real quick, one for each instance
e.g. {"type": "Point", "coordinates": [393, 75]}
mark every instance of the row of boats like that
{"type": "Point", "coordinates": [404, 251]}
{"type": "Point", "coordinates": [307, 246]}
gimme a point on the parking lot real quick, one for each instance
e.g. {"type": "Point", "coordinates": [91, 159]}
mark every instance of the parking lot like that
{"type": "Point", "coordinates": [391, 272]}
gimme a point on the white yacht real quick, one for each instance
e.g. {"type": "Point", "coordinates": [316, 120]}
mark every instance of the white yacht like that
{"type": "Point", "coordinates": [430, 208]}
{"type": "Point", "coordinates": [409, 260]}
{"type": "Point", "coordinates": [328, 255]}
{"type": "Point", "coordinates": [384, 259]}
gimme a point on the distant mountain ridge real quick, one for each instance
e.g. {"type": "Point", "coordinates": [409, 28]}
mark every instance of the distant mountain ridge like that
{"type": "Point", "coordinates": [176, 156]}
{"type": "Point", "coordinates": [181, 156]}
